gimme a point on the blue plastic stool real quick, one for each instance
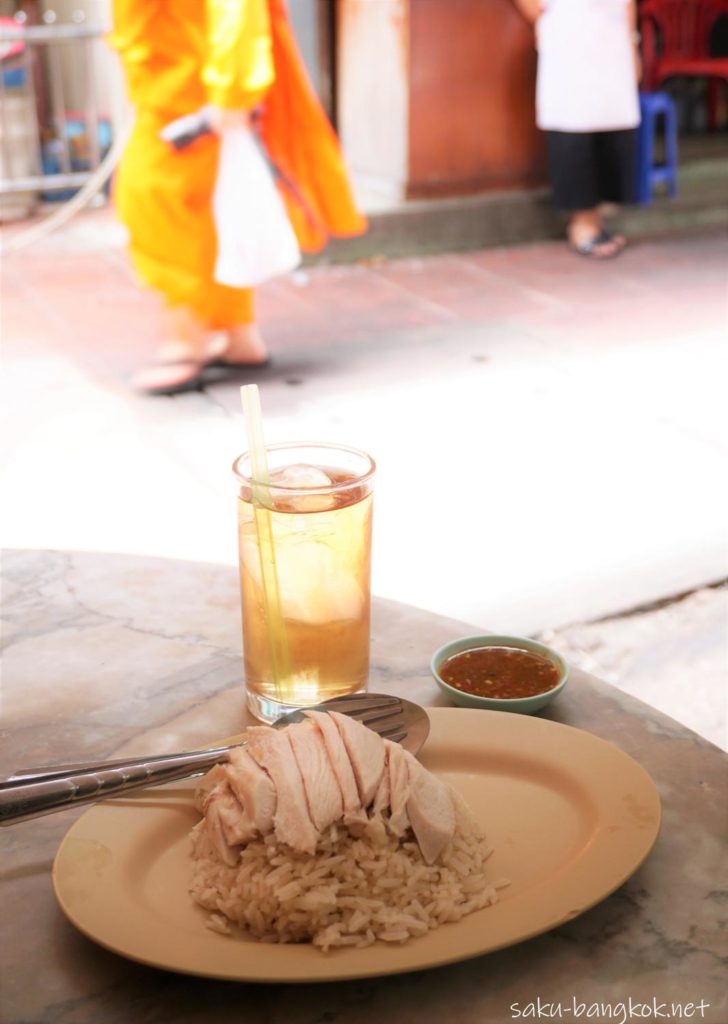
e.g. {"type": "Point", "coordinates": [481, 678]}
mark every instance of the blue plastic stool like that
{"type": "Point", "coordinates": [649, 174]}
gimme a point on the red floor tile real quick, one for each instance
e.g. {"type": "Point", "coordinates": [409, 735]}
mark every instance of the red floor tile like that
{"type": "Point", "coordinates": [460, 287]}
{"type": "Point", "coordinates": [83, 300]}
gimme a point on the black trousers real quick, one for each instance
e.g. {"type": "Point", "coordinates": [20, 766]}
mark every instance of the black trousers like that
{"type": "Point", "coordinates": [588, 168]}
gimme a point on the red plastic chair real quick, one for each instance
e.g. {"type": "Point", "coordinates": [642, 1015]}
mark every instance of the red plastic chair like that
{"type": "Point", "coordinates": [676, 42]}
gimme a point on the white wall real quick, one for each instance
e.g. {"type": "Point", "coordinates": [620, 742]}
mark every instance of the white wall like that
{"type": "Point", "coordinates": [372, 101]}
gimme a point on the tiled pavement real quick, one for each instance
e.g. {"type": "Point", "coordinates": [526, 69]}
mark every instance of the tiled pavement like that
{"type": "Point", "coordinates": [550, 432]}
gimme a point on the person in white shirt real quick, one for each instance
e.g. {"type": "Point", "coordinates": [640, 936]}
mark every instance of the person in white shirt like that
{"type": "Point", "coordinates": [587, 102]}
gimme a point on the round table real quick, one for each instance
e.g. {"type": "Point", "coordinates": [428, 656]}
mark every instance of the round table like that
{"type": "Point", "coordinates": [106, 655]}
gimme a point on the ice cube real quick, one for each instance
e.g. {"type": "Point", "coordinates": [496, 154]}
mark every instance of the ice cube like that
{"type": "Point", "coordinates": [313, 585]}
{"type": "Point", "coordinates": [303, 478]}
{"type": "Point", "coordinates": [308, 503]}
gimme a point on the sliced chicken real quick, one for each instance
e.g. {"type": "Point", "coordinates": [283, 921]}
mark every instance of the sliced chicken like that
{"type": "Point", "coordinates": [206, 795]}
{"type": "Point", "coordinates": [207, 784]}
{"type": "Point", "coordinates": [218, 828]}
{"type": "Point", "coordinates": [253, 787]}
{"type": "Point", "coordinates": [298, 781]}
{"type": "Point", "coordinates": [272, 750]}
{"type": "Point", "coordinates": [366, 753]}
{"type": "Point", "coordinates": [237, 827]}
{"type": "Point", "coordinates": [430, 810]}
{"type": "Point", "coordinates": [380, 803]}
{"type": "Point", "coordinates": [399, 788]}
{"type": "Point", "coordinates": [323, 793]}
{"type": "Point", "coordinates": [354, 813]}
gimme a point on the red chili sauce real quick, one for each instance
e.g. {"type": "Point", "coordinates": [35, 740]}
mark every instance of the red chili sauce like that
{"type": "Point", "coordinates": [503, 672]}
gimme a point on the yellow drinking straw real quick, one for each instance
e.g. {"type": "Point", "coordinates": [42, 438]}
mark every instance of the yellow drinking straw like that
{"type": "Point", "coordinates": [262, 501]}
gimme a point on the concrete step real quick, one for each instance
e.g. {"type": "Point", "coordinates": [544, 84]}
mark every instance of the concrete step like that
{"type": "Point", "coordinates": [419, 227]}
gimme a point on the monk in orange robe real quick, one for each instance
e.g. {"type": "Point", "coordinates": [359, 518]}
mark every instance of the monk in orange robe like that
{"type": "Point", "coordinates": [233, 57]}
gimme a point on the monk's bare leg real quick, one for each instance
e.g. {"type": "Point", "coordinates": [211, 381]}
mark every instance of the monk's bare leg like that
{"type": "Point", "coordinates": [245, 345]}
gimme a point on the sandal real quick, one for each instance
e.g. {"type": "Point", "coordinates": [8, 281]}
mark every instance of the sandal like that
{"type": "Point", "coordinates": [192, 380]}
{"type": "Point", "coordinates": [590, 248]}
{"type": "Point", "coordinates": [223, 371]}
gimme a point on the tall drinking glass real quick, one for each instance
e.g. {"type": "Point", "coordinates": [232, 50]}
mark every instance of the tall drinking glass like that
{"type": "Point", "coordinates": [318, 514]}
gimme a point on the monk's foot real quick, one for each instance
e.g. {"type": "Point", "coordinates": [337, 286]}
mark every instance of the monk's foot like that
{"type": "Point", "coordinates": [177, 367]}
{"type": "Point", "coordinates": [245, 347]}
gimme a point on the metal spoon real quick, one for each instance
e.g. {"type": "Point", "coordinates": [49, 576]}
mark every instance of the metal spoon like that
{"type": "Point", "coordinates": [33, 792]}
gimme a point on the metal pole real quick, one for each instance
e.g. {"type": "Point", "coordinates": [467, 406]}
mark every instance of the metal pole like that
{"type": "Point", "coordinates": [6, 152]}
{"type": "Point", "coordinates": [58, 106]}
{"type": "Point", "coordinates": [93, 123]}
{"type": "Point", "coordinates": [29, 67]}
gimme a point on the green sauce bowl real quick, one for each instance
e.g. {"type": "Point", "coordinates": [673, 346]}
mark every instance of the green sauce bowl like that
{"type": "Point", "coordinates": [518, 705]}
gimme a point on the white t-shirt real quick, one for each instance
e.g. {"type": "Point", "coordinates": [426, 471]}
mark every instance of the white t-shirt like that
{"type": "Point", "coordinates": [586, 74]}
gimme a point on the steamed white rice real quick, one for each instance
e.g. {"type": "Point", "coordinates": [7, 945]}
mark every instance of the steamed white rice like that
{"type": "Point", "coordinates": [353, 891]}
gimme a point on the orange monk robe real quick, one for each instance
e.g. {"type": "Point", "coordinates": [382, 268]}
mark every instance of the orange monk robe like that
{"type": "Point", "coordinates": [178, 56]}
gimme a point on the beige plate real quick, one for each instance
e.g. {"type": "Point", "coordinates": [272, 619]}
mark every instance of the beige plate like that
{"type": "Point", "coordinates": [571, 818]}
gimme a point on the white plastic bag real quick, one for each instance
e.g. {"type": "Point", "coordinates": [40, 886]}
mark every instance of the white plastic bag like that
{"type": "Point", "coordinates": [255, 240]}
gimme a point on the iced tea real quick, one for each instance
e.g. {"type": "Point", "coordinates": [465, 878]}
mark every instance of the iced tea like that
{"type": "Point", "coordinates": [319, 513]}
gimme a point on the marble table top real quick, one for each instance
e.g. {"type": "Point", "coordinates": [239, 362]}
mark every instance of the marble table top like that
{"type": "Point", "coordinates": [110, 654]}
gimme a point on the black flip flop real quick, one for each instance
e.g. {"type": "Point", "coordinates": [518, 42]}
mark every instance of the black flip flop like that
{"type": "Point", "coordinates": [221, 371]}
{"type": "Point", "coordinates": [588, 248]}
{"type": "Point", "coordinates": [225, 364]}
{"type": "Point", "coordinates": [194, 382]}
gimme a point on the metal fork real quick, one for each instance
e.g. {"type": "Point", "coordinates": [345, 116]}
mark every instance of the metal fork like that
{"type": "Point", "coordinates": [33, 792]}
